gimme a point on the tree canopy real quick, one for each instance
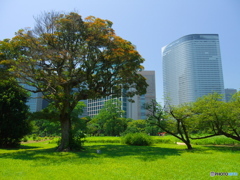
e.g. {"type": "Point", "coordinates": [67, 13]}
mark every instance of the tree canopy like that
{"type": "Point", "coordinates": [69, 58]}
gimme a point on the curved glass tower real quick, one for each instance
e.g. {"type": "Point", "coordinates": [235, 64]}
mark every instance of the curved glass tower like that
{"type": "Point", "coordinates": [192, 68]}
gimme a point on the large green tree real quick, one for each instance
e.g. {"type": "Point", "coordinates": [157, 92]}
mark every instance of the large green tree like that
{"type": "Point", "coordinates": [68, 59]}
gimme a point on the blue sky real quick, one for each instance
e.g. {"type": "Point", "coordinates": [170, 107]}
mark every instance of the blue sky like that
{"type": "Point", "coordinates": [148, 24]}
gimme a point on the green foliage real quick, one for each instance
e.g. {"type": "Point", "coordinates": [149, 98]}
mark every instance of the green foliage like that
{"type": "Point", "coordinates": [109, 120]}
{"type": "Point", "coordinates": [93, 128]}
{"type": "Point", "coordinates": [217, 140]}
{"type": "Point", "coordinates": [137, 139]}
{"type": "Point", "coordinates": [152, 130]}
{"type": "Point", "coordinates": [13, 114]}
{"type": "Point", "coordinates": [43, 127]}
{"type": "Point", "coordinates": [136, 126]}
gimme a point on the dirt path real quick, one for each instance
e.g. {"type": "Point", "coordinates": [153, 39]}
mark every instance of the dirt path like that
{"type": "Point", "coordinates": [34, 141]}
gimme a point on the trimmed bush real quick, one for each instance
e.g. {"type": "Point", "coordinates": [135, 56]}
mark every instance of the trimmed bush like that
{"type": "Point", "coordinates": [137, 139]}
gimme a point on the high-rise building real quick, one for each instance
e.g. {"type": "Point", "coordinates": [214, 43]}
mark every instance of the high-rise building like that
{"type": "Point", "coordinates": [134, 110]}
{"type": "Point", "coordinates": [192, 68]}
{"type": "Point", "coordinates": [228, 93]}
{"type": "Point", "coordinates": [137, 109]}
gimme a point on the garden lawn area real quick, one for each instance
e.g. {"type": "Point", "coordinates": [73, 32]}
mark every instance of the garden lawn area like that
{"type": "Point", "coordinates": [33, 161]}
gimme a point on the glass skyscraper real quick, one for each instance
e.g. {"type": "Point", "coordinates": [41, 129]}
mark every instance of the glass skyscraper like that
{"type": "Point", "coordinates": [192, 68]}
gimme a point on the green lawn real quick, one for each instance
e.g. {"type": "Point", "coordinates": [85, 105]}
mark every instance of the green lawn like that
{"type": "Point", "coordinates": [116, 161]}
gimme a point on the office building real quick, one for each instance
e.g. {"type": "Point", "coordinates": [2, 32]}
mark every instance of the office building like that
{"type": "Point", "coordinates": [134, 110]}
{"type": "Point", "coordinates": [191, 68]}
{"type": "Point", "coordinates": [137, 109]}
{"type": "Point", "coordinates": [94, 105]}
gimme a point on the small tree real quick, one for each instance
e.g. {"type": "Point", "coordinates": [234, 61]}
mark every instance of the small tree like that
{"type": "Point", "coordinates": [136, 126]}
{"type": "Point", "coordinates": [175, 121]}
{"type": "Point", "coordinates": [217, 117]}
{"type": "Point", "coordinates": [109, 118]}
{"type": "Point", "coordinates": [233, 123]}
{"type": "Point", "coordinates": [69, 59]}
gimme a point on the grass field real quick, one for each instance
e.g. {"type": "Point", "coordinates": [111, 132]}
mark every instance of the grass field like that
{"type": "Point", "coordinates": [116, 161]}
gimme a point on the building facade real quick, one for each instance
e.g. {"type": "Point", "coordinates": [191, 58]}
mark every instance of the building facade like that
{"type": "Point", "coordinates": [137, 109]}
{"type": "Point", "coordinates": [192, 68]}
{"type": "Point", "coordinates": [134, 110]}
{"type": "Point", "coordinates": [94, 105]}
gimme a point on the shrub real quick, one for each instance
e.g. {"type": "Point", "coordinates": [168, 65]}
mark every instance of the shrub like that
{"type": "Point", "coordinates": [137, 139]}
{"type": "Point", "coordinates": [77, 140]}
{"type": "Point", "coordinates": [25, 139]}
{"type": "Point", "coordinates": [34, 137]}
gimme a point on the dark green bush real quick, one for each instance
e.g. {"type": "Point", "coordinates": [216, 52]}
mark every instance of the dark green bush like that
{"type": "Point", "coordinates": [13, 114]}
{"type": "Point", "coordinates": [137, 139]}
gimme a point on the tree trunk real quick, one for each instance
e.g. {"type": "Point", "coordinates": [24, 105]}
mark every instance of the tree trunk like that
{"type": "Point", "coordinates": [189, 146]}
{"type": "Point", "coordinates": [66, 136]}
{"type": "Point", "coordinates": [187, 142]}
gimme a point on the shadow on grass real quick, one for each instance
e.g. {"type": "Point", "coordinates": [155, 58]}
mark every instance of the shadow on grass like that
{"type": "Point", "coordinates": [20, 147]}
{"type": "Point", "coordinates": [145, 153]}
{"type": "Point", "coordinates": [46, 155]}
{"type": "Point", "coordinates": [27, 153]}
{"type": "Point", "coordinates": [224, 148]}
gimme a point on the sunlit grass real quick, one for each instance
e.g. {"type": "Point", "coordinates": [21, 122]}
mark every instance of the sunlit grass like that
{"type": "Point", "coordinates": [117, 161]}
{"type": "Point", "coordinates": [168, 139]}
